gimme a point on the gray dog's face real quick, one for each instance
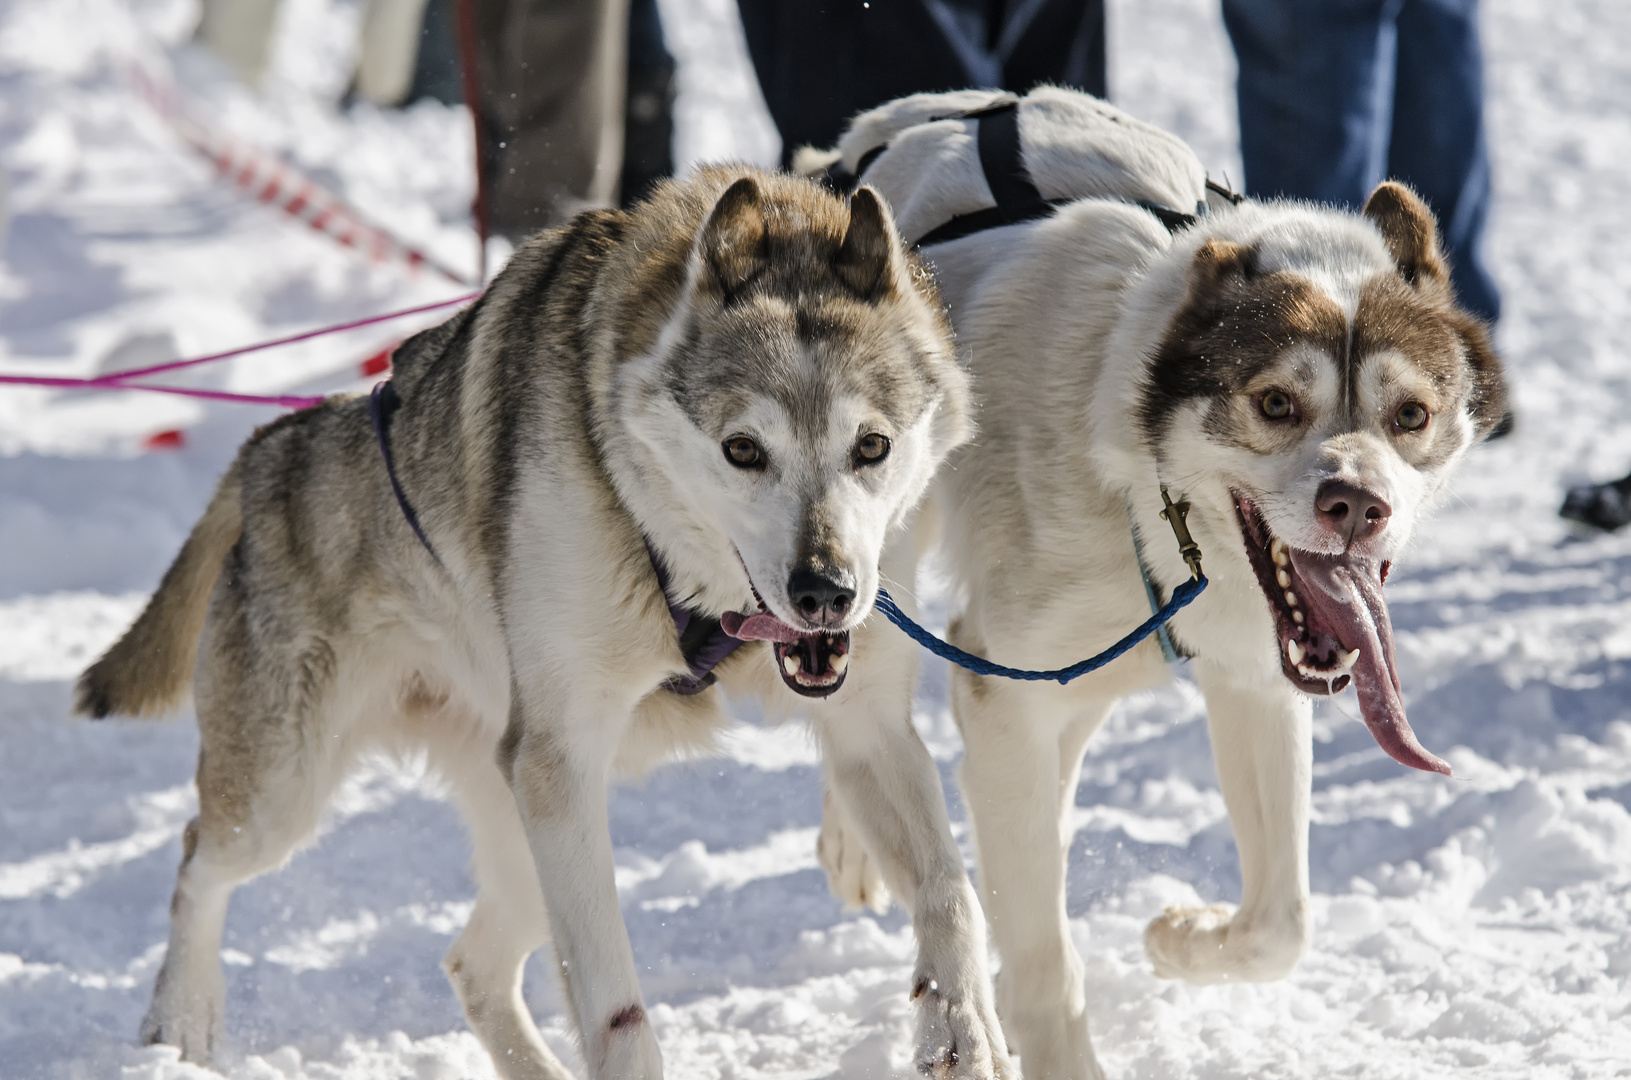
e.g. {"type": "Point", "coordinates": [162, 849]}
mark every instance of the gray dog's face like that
{"type": "Point", "coordinates": [1329, 397]}
{"type": "Point", "coordinates": [800, 410]}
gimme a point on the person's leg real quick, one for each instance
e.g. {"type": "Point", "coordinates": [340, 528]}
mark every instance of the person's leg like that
{"type": "Point", "coordinates": [820, 64]}
{"type": "Point", "coordinates": [1438, 145]}
{"type": "Point", "coordinates": [553, 75]}
{"type": "Point", "coordinates": [240, 32]}
{"type": "Point", "coordinates": [1058, 42]}
{"type": "Point", "coordinates": [648, 125]}
{"type": "Point", "coordinates": [436, 72]}
{"type": "Point", "coordinates": [388, 49]}
{"type": "Point", "coordinates": [1313, 94]}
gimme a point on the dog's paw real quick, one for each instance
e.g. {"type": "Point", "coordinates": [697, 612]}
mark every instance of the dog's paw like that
{"type": "Point", "coordinates": [852, 875]}
{"type": "Point", "coordinates": [194, 1031]}
{"type": "Point", "coordinates": [957, 1039]}
{"type": "Point", "coordinates": [1207, 945]}
{"type": "Point", "coordinates": [1047, 1033]}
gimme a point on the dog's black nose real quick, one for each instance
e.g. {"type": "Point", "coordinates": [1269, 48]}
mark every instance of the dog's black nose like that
{"type": "Point", "coordinates": [1350, 510]}
{"type": "Point", "coordinates": [818, 598]}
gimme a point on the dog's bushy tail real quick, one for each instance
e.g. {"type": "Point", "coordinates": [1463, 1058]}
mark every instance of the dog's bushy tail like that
{"type": "Point", "coordinates": [147, 672]}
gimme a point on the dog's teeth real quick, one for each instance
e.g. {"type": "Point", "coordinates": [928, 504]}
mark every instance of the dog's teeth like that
{"type": "Point", "coordinates": [1294, 651]}
{"type": "Point", "coordinates": [790, 663]}
{"type": "Point", "coordinates": [1302, 669]}
{"type": "Point", "coordinates": [1347, 659]}
{"type": "Point", "coordinates": [1277, 550]}
{"type": "Point", "coordinates": [1282, 577]}
{"type": "Point", "coordinates": [1297, 616]}
{"type": "Point", "coordinates": [838, 663]}
{"type": "Point", "coordinates": [1291, 598]}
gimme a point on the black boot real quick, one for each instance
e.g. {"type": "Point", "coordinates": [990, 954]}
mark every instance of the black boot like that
{"type": "Point", "coordinates": [1602, 506]}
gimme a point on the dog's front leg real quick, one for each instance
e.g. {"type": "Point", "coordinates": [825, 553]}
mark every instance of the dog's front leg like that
{"type": "Point", "coordinates": [557, 760]}
{"type": "Point", "coordinates": [887, 787]}
{"type": "Point", "coordinates": [1023, 746]}
{"type": "Point", "coordinates": [1262, 743]}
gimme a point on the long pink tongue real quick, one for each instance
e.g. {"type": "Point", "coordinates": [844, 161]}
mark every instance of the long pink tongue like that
{"type": "Point", "coordinates": [762, 626]}
{"type": "Point", "coordinates": [1347, 600]}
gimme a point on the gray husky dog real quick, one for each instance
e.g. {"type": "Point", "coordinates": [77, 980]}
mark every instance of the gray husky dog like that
{"type": "Point", "coordinates": [658, 435]}
{"type": "Point", "coordinates": [1301, 376]}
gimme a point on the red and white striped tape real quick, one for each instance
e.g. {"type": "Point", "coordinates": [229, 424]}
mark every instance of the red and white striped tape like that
{"type": "Point", "coordinates": [276, 183]}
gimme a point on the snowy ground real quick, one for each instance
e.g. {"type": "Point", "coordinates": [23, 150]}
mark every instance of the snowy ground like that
{"type": "Point", "coordinates": [1474, 927]}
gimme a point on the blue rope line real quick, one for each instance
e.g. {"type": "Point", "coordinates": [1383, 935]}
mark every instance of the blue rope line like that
{"type": "Point", "coordinates": [1182, 596]}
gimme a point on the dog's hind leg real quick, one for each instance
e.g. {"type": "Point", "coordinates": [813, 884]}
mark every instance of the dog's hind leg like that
{"type": "Point", "coordinates": [1263, 746]}
{"type": "Point", "coordinates": [189, 994]}
{"type": "Point", "coordinates": [888, 788]}
{"type": "Point", "coordinates": [262, 786]}
{"type": "Point", "coordinates": [1023, 749]}
{"type": "Point", "coordinates": [508, 923]}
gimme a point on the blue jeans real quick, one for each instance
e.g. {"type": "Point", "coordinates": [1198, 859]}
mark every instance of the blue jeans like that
{"type": "Point", "coordinates": [1337, 95]}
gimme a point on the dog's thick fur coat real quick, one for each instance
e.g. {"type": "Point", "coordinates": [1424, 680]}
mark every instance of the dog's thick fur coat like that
{"type": "Point", "coordinates": [744, 374]}
{"type": "Point", "coordinates": [1301, 376]}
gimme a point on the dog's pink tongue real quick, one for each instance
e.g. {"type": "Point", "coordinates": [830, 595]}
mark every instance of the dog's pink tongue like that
{"type": "Point", "coordinates": [761, 626]}
{"type": "Point", "coordinates": [1347, 599]}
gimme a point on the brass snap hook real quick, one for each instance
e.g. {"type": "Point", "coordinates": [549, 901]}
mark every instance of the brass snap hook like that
{"type": "Point", "coordinates": [1175, 513]}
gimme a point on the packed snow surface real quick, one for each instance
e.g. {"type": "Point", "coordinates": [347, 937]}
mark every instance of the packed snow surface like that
{"type": "Point", "coordinates": [1479, 926]}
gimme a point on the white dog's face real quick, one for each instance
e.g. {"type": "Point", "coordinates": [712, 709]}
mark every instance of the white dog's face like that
{"type": "Point", "coordinates": [798, 426]}
{"type": "Point", "coordinates": [808, 506]}
{"type": "Point", "coordinates": [1329, 410]}
{"type": "Point", "coordinates": [805, 482]}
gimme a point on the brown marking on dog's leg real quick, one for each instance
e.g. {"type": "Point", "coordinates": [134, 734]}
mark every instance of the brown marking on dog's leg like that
{"type": "Point", "coordinates": [189, 845]}
{"type": "Point", "coordinates": [624, 1022]}
{"type": "Point", "coordinates": [626, 1018]}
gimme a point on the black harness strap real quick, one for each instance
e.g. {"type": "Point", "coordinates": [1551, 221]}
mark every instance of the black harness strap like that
{"type": "Point", "coordinates": [382, 406]}
{"type": "Point", "coordinates": [840, 181]}
{"type": "Point", "coordinates": [1234, 197]}
{"type": "Point", "coordinates": [1174, 220]}
{"type": "Point", "coordinates": [1003, 162]}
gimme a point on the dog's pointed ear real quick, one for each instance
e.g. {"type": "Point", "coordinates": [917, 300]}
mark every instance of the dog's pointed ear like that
{"type": "Point", "coordinates": [1218, 259]}
{"type": "Point", "coordinates": [1411, 234]}
{"type": "Point", "coordinates": [867, 258]}
{"type": "Point", "coordinates": [1488, 405]}
{"type": "Point", "coordinates": [733, 240]}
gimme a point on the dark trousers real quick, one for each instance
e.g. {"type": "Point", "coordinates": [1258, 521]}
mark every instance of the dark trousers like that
{"type": "Point", "coordinates": [822, 61]}
{"type": "Point", "coordinates": [576, 103]}
{"type": "Point", "coordinates": [1337, 95]}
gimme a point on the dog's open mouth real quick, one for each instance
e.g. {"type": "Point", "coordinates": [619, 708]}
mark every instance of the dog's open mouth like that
{"type": "Point", "coordinates": [811, 664]}
{"type": "Point", "coordinates": [1331, 626]}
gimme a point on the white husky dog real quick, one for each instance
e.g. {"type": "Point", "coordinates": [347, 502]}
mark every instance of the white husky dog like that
{"type": "Point", "coordinates": [1302, 377]}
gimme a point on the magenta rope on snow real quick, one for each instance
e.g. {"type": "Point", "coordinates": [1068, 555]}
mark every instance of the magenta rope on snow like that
{"type": "Point", "coordinates": [120, 380]}
{"type": "Point", "coordinates": [288, 401]}
{"type": "Point", "coordinates": [175, 365]}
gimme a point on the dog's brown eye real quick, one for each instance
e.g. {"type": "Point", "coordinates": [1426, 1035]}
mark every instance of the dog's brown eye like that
{"type": "Point", "coordinates": [871, 449]}
{"type": "Point", "coordinates": [744, 453]}
{"type": "Point", "coordinates": [1412, 416]}
{"type": "Point", "coordinates": [1276, 405]}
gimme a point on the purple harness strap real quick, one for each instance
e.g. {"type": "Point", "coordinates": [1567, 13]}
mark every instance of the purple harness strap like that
{"type": "Point", "coordinates": [703, 641]}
